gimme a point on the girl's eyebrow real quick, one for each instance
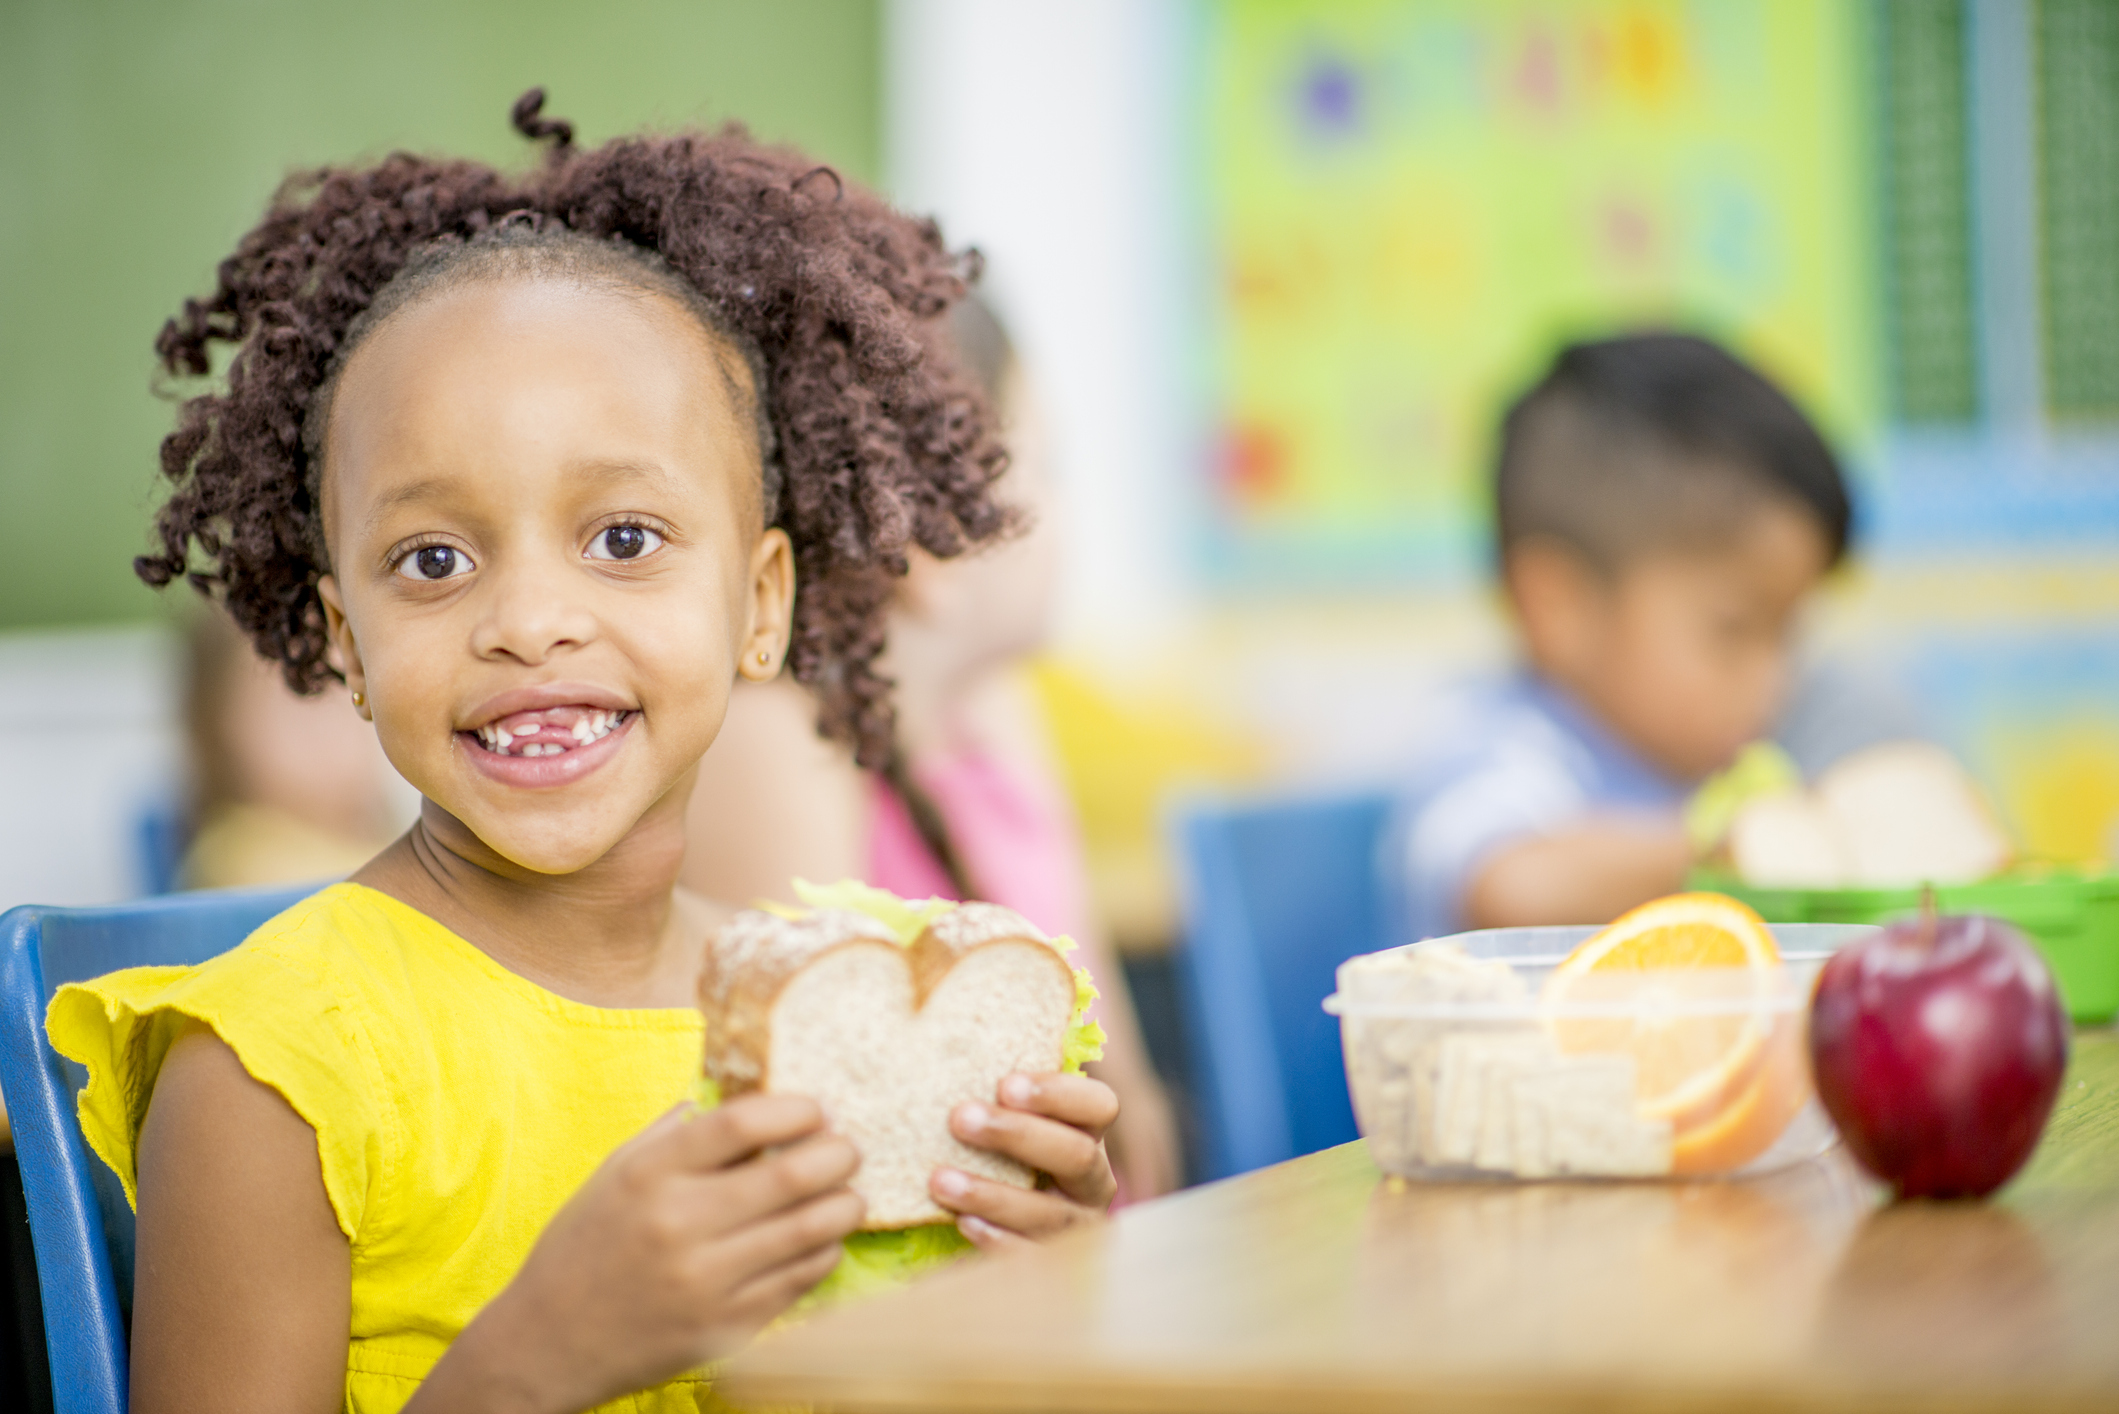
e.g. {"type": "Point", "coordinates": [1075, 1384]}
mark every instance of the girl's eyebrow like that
{"type": "Point", "coordinates": [410, 494]}
{"type": "Point", "coordinates": [431, 488]}
{"type": "Point", "coordinates": [621, 469]}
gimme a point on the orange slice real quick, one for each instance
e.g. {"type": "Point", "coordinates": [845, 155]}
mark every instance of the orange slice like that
{"type": "Point", "coordinates": [1697, 1067]}
{"type": "Point", "coordinates": [1777, 1088]}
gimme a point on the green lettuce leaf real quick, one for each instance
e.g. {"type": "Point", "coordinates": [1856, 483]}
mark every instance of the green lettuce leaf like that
{"type": "Point", "coordinates": [872, 1262]}
{"type": "Point", "coordinates": [1084, 1041]}
{"type": "Point", "coordinates": [901, 916]}
{"type": "Point", "coordinates": [1762, 768]}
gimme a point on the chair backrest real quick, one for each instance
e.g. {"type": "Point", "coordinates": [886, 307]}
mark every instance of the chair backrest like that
{"type": "Point", "coordinates": [1277, 894]}
{"type": "Point", "coordinates": [80, 1226]}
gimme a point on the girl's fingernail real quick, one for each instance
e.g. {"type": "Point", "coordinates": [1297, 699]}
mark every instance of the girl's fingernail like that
{"type": "Point", "coordinates": [975, 1116]}
{"type": "Point", "coordinates": [951, 1183]}
{"type": "Point", "coordinates": [975, 1228]}
{"type": "Point", "coordinates": [1018, 1090]}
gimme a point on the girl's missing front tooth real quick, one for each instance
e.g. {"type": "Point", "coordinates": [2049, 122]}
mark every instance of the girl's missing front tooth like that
{"type": "Point", "coordinates": [539, 464]}
{"type": "Point", "coordinates": [544, 733]}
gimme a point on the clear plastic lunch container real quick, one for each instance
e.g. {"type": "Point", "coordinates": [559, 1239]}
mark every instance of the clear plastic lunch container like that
{"type": "Point", "coordinates": [1468, 1057]}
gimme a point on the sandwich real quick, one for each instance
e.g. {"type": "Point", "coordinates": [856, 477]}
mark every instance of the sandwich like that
{"type": "Point", "coordinates": [890, 1014]}
{"type": "Point", "coordinates": [1887, 817]}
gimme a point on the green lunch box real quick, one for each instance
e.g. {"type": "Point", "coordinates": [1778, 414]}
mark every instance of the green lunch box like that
{"type": "Point", "coordinates": [2071, 915]}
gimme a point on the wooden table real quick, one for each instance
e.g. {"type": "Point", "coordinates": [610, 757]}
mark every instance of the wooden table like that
{"type": "Point", "coordinates": [1314, 1287]}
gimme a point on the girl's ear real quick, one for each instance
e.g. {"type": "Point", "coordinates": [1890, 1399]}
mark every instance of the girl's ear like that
{"type": "Point", "coordinates": [344, 653]}
{"type": "Point", "coordinates": [772, 607]}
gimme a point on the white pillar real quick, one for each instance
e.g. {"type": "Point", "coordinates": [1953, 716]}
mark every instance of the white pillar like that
{"type": "Point", "coordinates": [1046, 132]}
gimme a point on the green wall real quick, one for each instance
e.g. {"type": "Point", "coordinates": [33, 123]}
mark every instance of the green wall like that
{"type": "Point", "coordinates": [144, 136]}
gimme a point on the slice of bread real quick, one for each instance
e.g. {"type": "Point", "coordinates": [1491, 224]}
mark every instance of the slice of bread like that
{"type": "Point", "coordinates": [1787, 840]}
{"type": "Point", "coordinates": [888, 1039]}
{"type": "Point", "coordinates": [1889, 816]}
{"type": "Point", "coordinates": [1910, 815]}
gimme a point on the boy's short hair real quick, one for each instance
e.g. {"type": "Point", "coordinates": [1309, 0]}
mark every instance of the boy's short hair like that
{"type": "Point", "coordinates": [1649, 441]}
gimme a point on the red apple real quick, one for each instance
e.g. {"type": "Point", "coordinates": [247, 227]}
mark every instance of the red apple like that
{"type": "Point", "coordinates": [1938, 1045]}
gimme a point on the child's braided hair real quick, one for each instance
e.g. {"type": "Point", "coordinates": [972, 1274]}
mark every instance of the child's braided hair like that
{"type": "Point", "coordinates": [874, 442]}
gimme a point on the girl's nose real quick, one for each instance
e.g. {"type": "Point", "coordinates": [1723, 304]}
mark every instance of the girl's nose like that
{"type": "Point", "coordinates": [531, 614]}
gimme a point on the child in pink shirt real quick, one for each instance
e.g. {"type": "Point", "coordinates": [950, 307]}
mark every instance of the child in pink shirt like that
{"type": "Point", "coordinates": [971, 804]}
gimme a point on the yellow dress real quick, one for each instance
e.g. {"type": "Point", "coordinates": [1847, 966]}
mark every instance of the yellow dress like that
{"type": "Point", "coordinates": [456, 1105]}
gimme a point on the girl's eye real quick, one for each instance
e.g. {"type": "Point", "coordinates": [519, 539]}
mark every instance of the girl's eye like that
{"type": "Point", "coordinates": [624, 542]}
{"type": "Point", "coordinates": [434, 562]}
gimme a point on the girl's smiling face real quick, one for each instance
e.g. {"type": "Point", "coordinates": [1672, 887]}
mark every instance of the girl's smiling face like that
{"type": "Point", "coordinates": [542, 500]}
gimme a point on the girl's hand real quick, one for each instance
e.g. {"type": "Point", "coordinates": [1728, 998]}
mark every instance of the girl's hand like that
{"type": "Point", "coordinates": [686, 1242]}
{"type": "Point", "coordinates": [1052, 1123]}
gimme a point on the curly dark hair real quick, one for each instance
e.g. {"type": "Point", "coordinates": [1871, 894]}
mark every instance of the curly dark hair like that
{"type": "Point", "coordinates": [872, 439]}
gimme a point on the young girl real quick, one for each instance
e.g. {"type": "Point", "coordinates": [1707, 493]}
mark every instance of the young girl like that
{"type": "Point", "coordinates": [540, 465]}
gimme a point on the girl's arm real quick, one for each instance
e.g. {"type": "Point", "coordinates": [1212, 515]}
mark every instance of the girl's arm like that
{"type": "Point", "coordinates": [1144, 1141]}
{"type": "Point", "coordinates": [243, 1289]}
{"type": "Point", "coordinates": [1008, 720]}
{"type": "Point", "coordinates": [1590, 872]}
{"type": "Point", "coordinates": [688, 1239]}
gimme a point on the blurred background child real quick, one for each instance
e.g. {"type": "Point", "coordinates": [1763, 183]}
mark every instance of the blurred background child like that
{"type": "Point", "coordinates": [1662, 514]}
{"type": "Point", "coordinates": [285, 789]}
{"type": "Point", "coordinates": [972, 805]}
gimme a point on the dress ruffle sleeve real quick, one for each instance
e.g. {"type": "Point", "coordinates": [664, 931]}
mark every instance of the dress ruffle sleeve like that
{"type": "Point", "coordinates": [284, 1020]}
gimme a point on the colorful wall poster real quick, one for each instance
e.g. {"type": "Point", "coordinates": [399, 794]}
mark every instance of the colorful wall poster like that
{"type": "Point", "coordinates": [1407, 207]}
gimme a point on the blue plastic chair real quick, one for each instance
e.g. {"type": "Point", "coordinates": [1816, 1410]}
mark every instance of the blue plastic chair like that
{"type": "Point", "coordinates": [159, 841]}
{"type": "Point", "coordinates": [1277, 895]}
{"type": "Point", "coordinates": [80, 1226]}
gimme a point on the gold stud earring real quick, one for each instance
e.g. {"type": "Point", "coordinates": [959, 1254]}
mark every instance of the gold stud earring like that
{"type": "Point", "coordinates": [764, 657]}
{"type": "Point", "coordinates": [360, 699]}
